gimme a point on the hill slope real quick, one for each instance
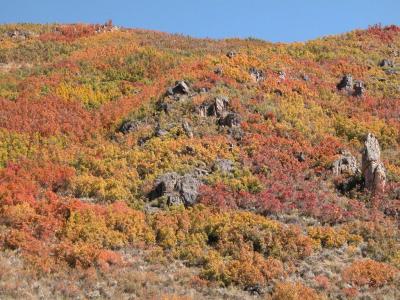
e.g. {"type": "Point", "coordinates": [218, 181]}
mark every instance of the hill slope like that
{"type": "Point", "coordinates": [140, 164]}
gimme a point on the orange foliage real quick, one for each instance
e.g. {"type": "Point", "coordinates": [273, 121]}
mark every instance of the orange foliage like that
{"type": "Point", "coordinates": [369, 272]}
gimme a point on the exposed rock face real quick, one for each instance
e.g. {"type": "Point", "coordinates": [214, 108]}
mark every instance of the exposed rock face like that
{"type": "Point", "coordinates": [178, 189]}
{"type": "Point", "coordinates": [230, 120]}
{"type": "Point", "coordinates": [20, 34]}
{"type": "Point", "coordinates": [219, 106]}
{"type": "Point", "coordinates": [282, 75]}
{"type": "Point", "coordinates": [159, 131]}
{"type": "Point", "coordinates": [355, 88]}
{"type": "Point", "coordinates": [305, 77]}
{"type": "Point", "coordinates": [373, 169]}
{"type": "Point", "coordinates": [257, 75]}
{"type": "Point", "coordinates": [188, 130]}
{"type": "Point", "coordinates": [215, 109]}
{"type": "Point", "coordinates": [231, 54]}
{"type": "Point", "coordinates": [180, 88]}
{"type": "Point", "coordinates": [359, 89]}
{"type": "Point", "coordinates": [346, 164]}
{"type": "Point", "coordinates": [219, 71]}
{"type": "Point", "coordinates": [346, 83]}
{"type": "Point", "coordinates": [128, 126]}
{"type": "Point", "coordinates": [386, 63]}
{"type": "Point", "coordinates": [301, 157]}
{"type": "Point", "coordinates": [391, 72]}
{"type": "Point", "coordinates": [188, 187]}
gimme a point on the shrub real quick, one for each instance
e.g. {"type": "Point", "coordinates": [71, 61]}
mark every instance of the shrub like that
{"type": "Point", "coordinates": [294, 291]}
{"type": "Point", "coordinates": [369, 272]}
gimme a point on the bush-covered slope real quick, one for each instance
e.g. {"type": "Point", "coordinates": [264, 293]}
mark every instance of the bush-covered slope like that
{"type": "Point", "coordinates": [139, 164]}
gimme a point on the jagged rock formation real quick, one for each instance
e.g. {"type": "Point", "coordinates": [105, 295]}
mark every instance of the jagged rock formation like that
{"type": "Point", "coordinates": [215, 109]}
{"type": "Point", "coordinates": [305, 77]}
{"type": "Point", "coordinates": [128, 126]}
{"type": "Point", "coordinates": [230, 120]}
{"type": "Point", "coordinates": [187, 128]}
{"type": "Point", "coordinates": [355, 88]}
{"type": "Point", "coordinates": [158, 132]}
{"type": "Point", "coordinates": [257, 75]}
{"type": "Point", "coordinates": [180, 88]}
{"type": "Point", "coordinates": [346, 164]}
{"type": "Point", "coordinates": [359, 89]}
{"type": "Point", "coordinates": [386, 63]}
{"type": "Point", "coordinates": [20, 34]}
{"type": "Point", "coordinates": [346, 83]}
{"type": "Point", "coordinates": [231, 54]}
{"type": "Point", "coordinates": [219, 108]}
{"type": "Point", "coordinates": [373, 169]}
{"type": "Point", "coordinates": [178, 189]}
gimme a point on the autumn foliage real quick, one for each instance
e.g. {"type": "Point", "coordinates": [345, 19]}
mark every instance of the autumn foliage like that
{"type": "Point", "coordinates": [75, 188]}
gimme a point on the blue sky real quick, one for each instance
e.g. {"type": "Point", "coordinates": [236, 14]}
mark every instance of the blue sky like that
{"type": "Point", "coordinates": [279, 20]}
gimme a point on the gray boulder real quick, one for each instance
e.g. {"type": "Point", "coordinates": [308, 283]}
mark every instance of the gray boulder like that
{"type": "Point", "coordinates": [215, 109]}
{"type": "Point", "coordinates": [231, 54]}
{"type": "Point", "coordinates": [346, 83]}
{"type": "Point", "coordinates": [257, 75]}
{"type": "Point", "coordinates": [178, 189]}
{"type": "Point", "coordinates": [352, 87]}
{"type": "Point", "coordinates": [20, 34]}
{"type": "Point", "coordinates": [180, 88]}
{"type": "Point", "coordinates": [359, 89]}
{"type": "Point", "coordinates": [128, 126]}
{"type": "Point", "coordinates": [219, 106]}
{"type": "Point", "coordinates": [386, 63]}
{"type": "Point", "coordinates": [372, 168]}
{"type": "Point", "coordinates": [391, 72]}
{"type": "Point", "coordinates": [230, 120]}
{"type": "Point", "coordinates": [188, 187]}
{"type": "Point", "coordinates": [159, 132]}
{"type": "Point", "coordinates": [166, 183]}
{"type": "Point", "coordinates": [188, 130]}
{"type": "Point", "coordinates": [305, 77]}
{"type": "Point", "coordinates": [346, 164]}
{"type": "Point", "coordinates": [219, 71]}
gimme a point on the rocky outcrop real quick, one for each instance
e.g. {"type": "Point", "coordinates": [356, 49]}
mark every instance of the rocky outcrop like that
{"type": "Point", "coordinates": [305, 77]}
{"type": "Point", "coordinates": [354, 88]}
{"type": "Point", "coordinates": [231, 54]}
{"type": "Point", "coordinates": [346, 164]}
{"type": "Point", "coordinates": [372, 168]}
{"type": "Point", "coordinates": [178, 189]}
{"type": "Point", "coordinates": [301, 157]}
{"type": "Point", "coordinates": [257, 75]}
{"type": "Point", "coordinates": [128, 126]}
{"type": "Point", "coordinates": [219, 106]}
{"type": "Point", "coordinates": [180, 88]}
{"type": "Point", "coordinates": [386, 63]}
{"type": "Point", "coordinates": [219, 71]}
{"type": "Point", "coordinates": [187, 128]}
{"type": "Point", "coordinates": [159, 132]}
{"type": "Point", "coordinates": [359, 89]}
{"type": "Point", "coordinates": [216, 108]}
{"type": "Point", "coordinates": [346, 83]}
{"type": "Point", "coordinates": [230, 120]}
{"type": "Point", "coordinates": [20, 34]}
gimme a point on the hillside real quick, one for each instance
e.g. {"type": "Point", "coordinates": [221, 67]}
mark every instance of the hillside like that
{"type": "Point", "coordinates": [140, 165]}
